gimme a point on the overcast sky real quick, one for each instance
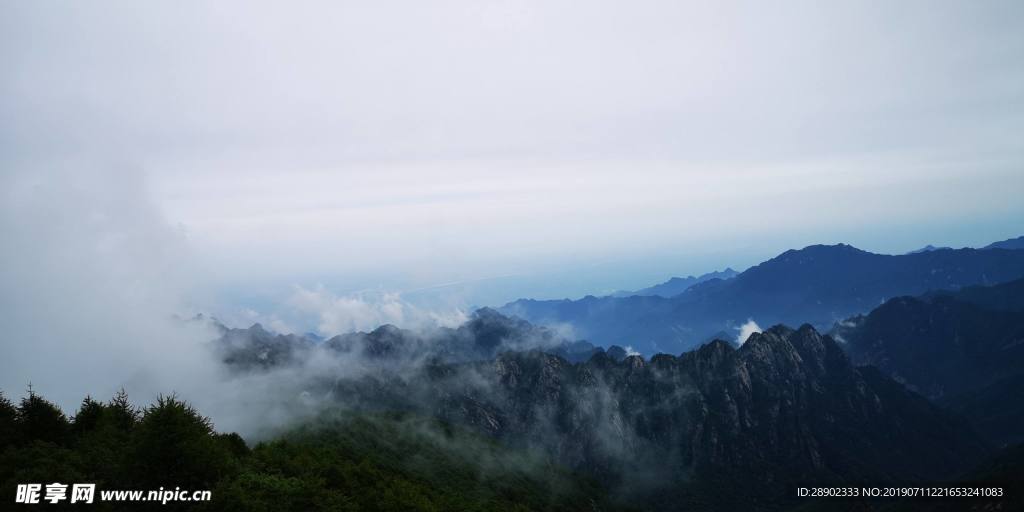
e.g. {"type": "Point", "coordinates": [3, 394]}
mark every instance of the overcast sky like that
{"type": "Point", "coordinates": [298, 152]}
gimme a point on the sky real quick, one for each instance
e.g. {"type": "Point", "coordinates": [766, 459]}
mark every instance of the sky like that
{"type": "Point", "coordinates": [327, 166]}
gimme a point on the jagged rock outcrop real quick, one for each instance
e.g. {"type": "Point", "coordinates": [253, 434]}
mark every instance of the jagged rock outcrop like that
{"type": "Point", "coordinates": [787, 405]}
{"type": "Point", "coordinates": [486, 334]}
{"type": "Point", "coordinates": [256, 347]}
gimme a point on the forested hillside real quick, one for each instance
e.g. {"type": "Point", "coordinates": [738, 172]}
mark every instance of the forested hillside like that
{"type": "Point", "coordinates": [382, 462]}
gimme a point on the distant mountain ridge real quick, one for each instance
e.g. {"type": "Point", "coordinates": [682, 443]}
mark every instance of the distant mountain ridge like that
{"type": "Point", "coordinates": [928, 248]}
{"type": "Point", "coordinates": [484, 336]}
{"type": "Point", "coordinates": [1012, 244]}
{"type": "Point", "coordinates": [677, 285]}
{"type": "Point", "coordinates": [819, 284]}
{"type": "Point", "coordinates": [679, 429]}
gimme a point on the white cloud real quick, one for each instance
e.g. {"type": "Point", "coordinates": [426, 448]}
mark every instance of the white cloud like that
{"type": "Point", "coordinates": [397, 147]}
{"type": "Point", "coordinates": [750, 327]}
{"type": "Point", "coordinates": [458, 140]}
{"type": "Point", "coordinates": [365, 311]}
{"type": "Point", "coordinates": [90, 279]}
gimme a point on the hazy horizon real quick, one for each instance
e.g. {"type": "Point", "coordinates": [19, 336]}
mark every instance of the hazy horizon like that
{"type": "Point", "coordinates": [330, 166]}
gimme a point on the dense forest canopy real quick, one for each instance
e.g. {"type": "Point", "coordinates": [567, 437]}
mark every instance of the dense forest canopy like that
{"type": "Point", "coordinates": [338, 462]}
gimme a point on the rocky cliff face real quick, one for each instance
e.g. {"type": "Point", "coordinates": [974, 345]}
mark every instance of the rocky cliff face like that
{"type": "Point", "coordinates": [486, 334]}
{"type": "Point", "coordinates": [784, 396]}
{"type": "Point", "coordinates": [787, 406]}
{"type": "Point", "coordinates": [255, 347]}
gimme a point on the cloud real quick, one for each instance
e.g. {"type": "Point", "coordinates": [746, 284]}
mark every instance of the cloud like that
{"type": "Point", "coordinates": [444, 143]}
{"type": "Point", "coordinates": [90, 280]}
{"type": "Point", "coordinates": [338, 314]}
{"type": "Point", "coordinates": [429, 144]}
{"type": "Point", "coordinates": [94, 286]}
{"type": "Point", "coordinates": [746, 330]}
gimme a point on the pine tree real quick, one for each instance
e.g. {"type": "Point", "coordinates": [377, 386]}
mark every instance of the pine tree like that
{"type": "Point", "coordinates": [8, 422]}
{"type": "Point", "coordinates": [39, 419]}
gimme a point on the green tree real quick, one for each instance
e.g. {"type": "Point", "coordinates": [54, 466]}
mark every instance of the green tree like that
{"type": "Point", "coordinates": [174, 446]}
{"type": "Point", "coordinates": [8, 422]}
{"type": "Point", "coordinates": [120, 412]}
{"type": "Point", "coordinates": [102, 433]}
{"type": "Point", "coordinates": [88, 417]}
{"type": "Point", "coordinates": [41, 420]}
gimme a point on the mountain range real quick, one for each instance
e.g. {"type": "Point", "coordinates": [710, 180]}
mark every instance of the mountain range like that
{"type": "Point", "coordinates": [677, 285]}
{"type": "Point", "coordinates": [922, 382]}
{"type": "Point", "coordinates": [670, 432]}
{"type": "Point", "coordinates": [485, 335]}
{"type": "Point", "coordinates": [819, 284]}
{"type": "Point", "coordinates": [1012, 243]}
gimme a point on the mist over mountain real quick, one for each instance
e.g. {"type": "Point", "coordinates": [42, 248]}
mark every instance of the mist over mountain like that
{"type": "Point", "coordinates": [483, 336]}
{"type": "Point", "coordinates": [787, 405]}
{"type": "Point", "coordinates": [302, 255]}
{"type": "Point", "coordinates": [819, 284]}
{"type": "Point", "coordinates": [673, 431]}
